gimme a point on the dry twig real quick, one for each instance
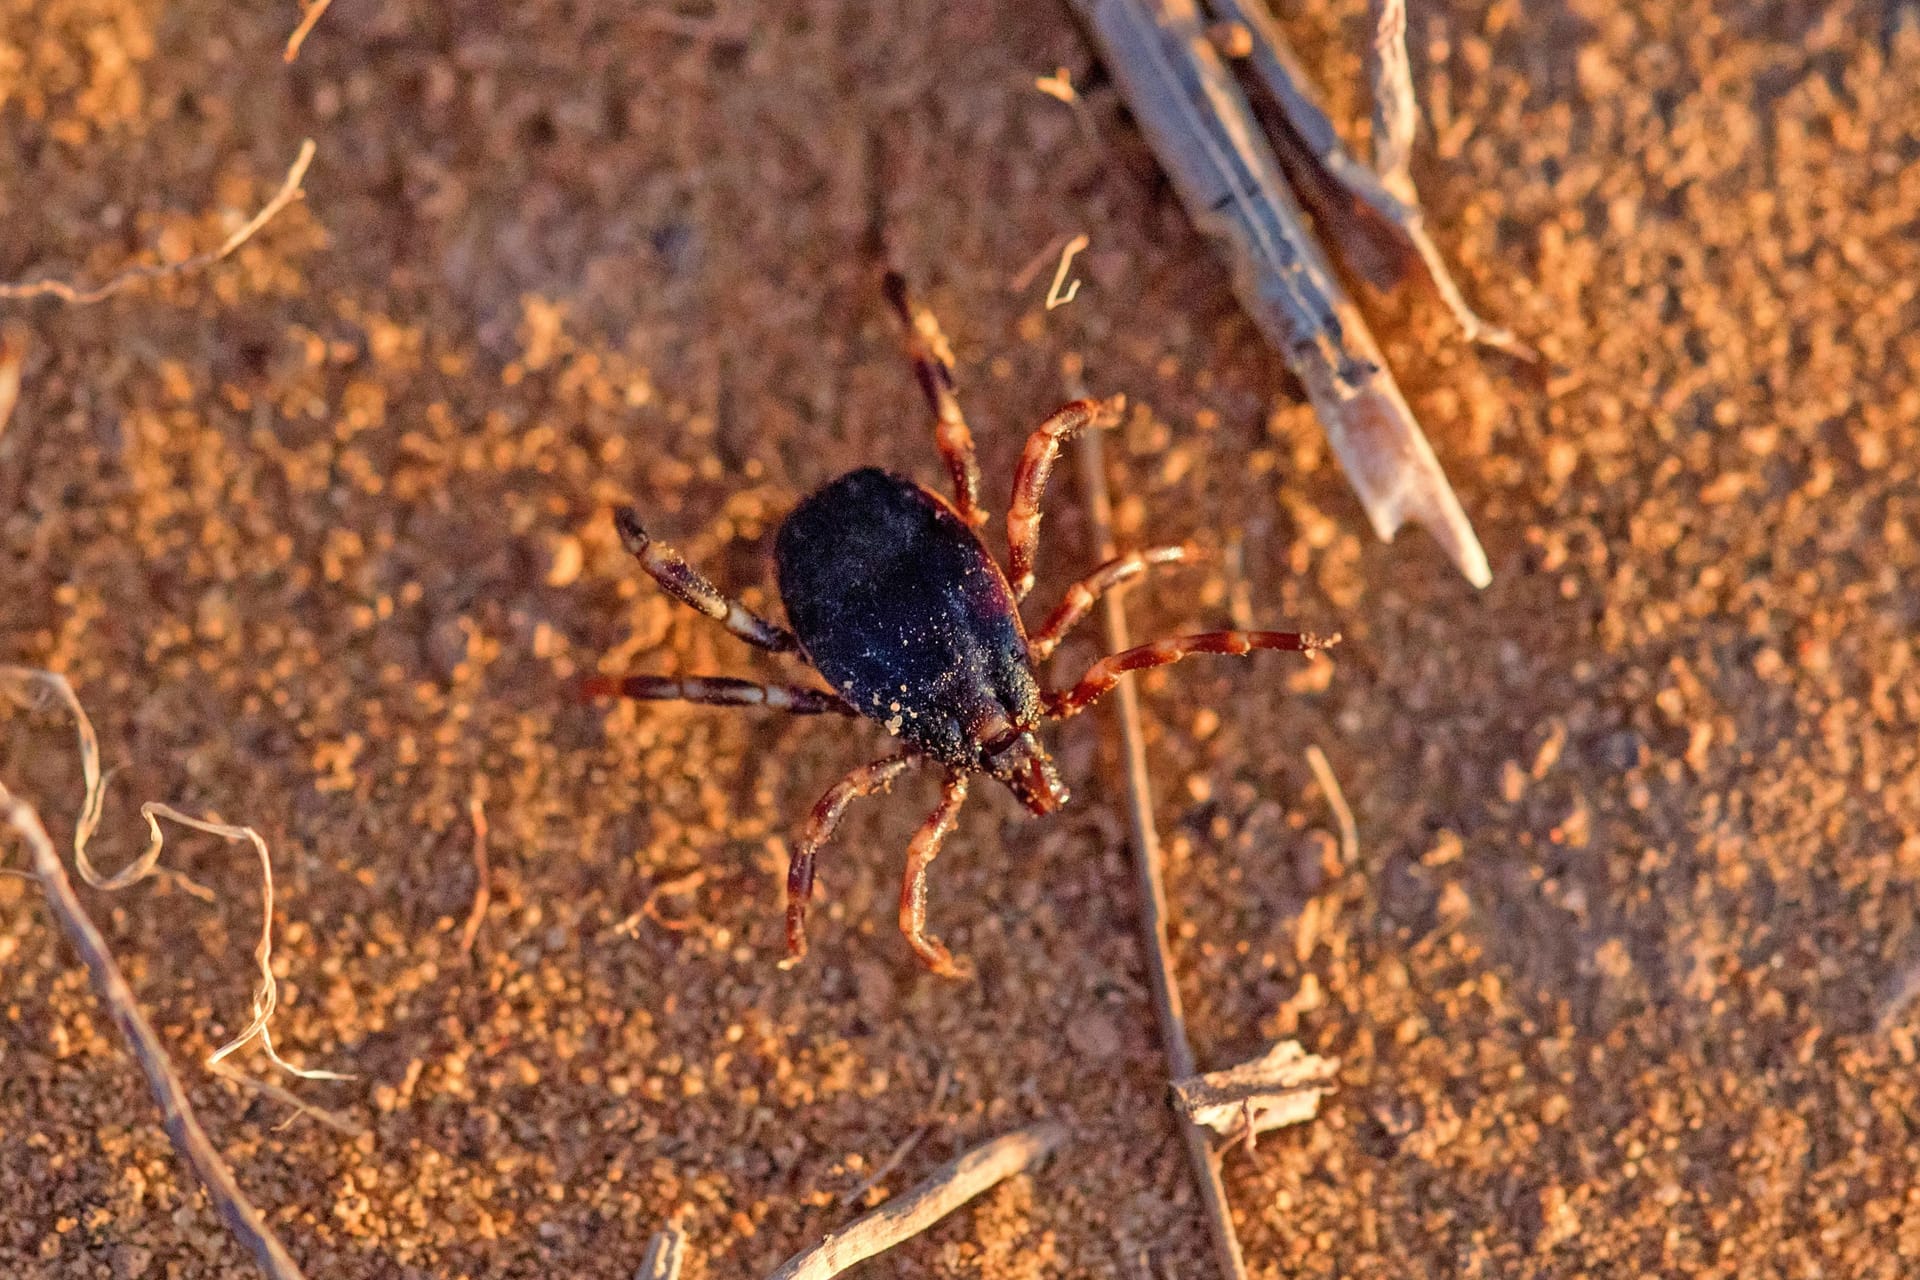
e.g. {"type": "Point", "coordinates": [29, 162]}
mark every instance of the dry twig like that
{"type": "Point", "coordinates": [78, 296]}
{"type": "Point", "coordinates": [176, 1112]}
{"type": "Point", "coordinates": [907, 1145]}
{"type": "Point", "coordinates": [342, 1125]}
{"type": "Point", "coordinates": [907, 1215]}
{"type": "Point", "coordinates": [887, 1166]}
{"type": "Point", "coordinates": [1281, 1087]}
{"type": "Point", "coordinates": [666, 1254]}
{"type": "Point", "coordinates": [1336, 801]}
{"type": "Point", "coordinates": [482, 867]}
{"type": "Point", "coordinates": [309, 18]}
{"type": "Point", "coordinates": [1147, 861]}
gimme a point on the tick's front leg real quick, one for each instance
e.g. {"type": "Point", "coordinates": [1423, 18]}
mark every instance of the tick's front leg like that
{"type": "Point", "coordinates": [913, 887]}
{"type": "Point", "coordinates": [689, 586]}
{"type": "Point", "coordinates": [718, 691]}
{"type": "Point", "coordinates": [864, 781]}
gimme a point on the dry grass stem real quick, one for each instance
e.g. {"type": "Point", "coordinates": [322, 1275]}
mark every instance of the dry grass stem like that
{"type": "Point", "coordinates": [333, 1120]}
{"type": "Point", "coordinates": [309, 18]}
{"type": "Point", "coordinates": [482, 867]}
{"type": "Point", "coordinates": [1147, 859]}
{"type": "Point", "coordinates": [1055, 296]}
{"type": "Point", "coordinates": [901, 1152]}
{"type": "Point", "coordinates": [33, 688]}
{"type": "Point", "coordinates": [912, 1212]}
{"type": "Point", "coordinates": [176, 1112]}
{"type": "Point", "coordinates": [78, 296]}
{"type": "Point", "coordinates": [886, 1166]}
{"type": "Point", "coordinates": [1336, 801]}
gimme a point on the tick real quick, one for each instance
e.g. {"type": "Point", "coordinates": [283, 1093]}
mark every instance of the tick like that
{"type": "Point", "coordinates": [893, 598]}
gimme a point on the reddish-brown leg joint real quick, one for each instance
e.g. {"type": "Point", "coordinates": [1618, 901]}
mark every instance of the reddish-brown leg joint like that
{"type": "Point", "coordinates": [1081, 595]}
{"type": "Point", "coordinates": [913, 886]}
{"type": "Point", "coordinates": [1030, 481]}
{"type": "Point", "coordinates": [686, 584]}
{"type": "Point", "coordinates": [933, 366]}
{"type": "Point", "coordinates": [1106, 673]}
{"type": "Point", "coordinates": [718, 691]}
{"type": "Point", "coordinates": [864, 781]}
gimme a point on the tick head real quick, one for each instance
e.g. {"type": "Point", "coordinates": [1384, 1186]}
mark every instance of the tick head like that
{"type": "Point", "coordinates": [1018, 760]}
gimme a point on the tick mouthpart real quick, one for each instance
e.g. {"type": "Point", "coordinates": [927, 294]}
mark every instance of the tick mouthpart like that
{"type": "Point", "coordinates": [1024, 766]}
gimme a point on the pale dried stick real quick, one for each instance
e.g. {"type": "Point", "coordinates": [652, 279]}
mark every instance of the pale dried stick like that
{"type": "Point", "coordinates": [1369, 213]}
{"type": "Point", "coordinates": [1147, 860]}
{"type": "Point", "coordinates": [1283, 1086]}
{"type": "Point", "coordinates": [32, 687]}
{"type": "Point", "coordinates": [482, 867]}
{"type": "Point", "coordinates": [1203, 131]}
{"type": "Point", "coordinates": [309, 18]}
{"type": "Point", "coordinates": [1336, 801]}
{"type": "Point", "coordinates": [288, 193]}
{"type": "Point", "coordinates": [912, 1212]}
{"type": "Point", "coordinates": [1394, 113]}
{"type": "Point", "coordinates": [665, 1255]}
{"type": "Point", "coordinates": [176, 1112]}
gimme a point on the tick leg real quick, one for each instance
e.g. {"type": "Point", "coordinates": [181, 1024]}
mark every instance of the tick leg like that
{"type": "Point", "coordinates": [913, 888]}
{"type": "Point", "coordinates": [1106, 673]}
{"type": "Point", "coordinates": [864, 781]}
{"type": "Point", "coordinates": [1081, 595]}
{"type": "Point", "coordinates": [933, 366]}
{"type": "Point", "coordinates": [686, 584]}
{"type": "Point", "coordinates": [718, 691]}
{"type": "Point", "coordinates": [1030, 481]}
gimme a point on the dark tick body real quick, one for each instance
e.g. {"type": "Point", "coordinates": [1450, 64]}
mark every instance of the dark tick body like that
{"type": "Point", "coordinates": [897, 603]}
{"type": "Point", "coordinates": [900, 606]}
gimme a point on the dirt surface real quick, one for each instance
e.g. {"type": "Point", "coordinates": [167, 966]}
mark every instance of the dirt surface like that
{"type": "Point", "coordinates": [321, 537]}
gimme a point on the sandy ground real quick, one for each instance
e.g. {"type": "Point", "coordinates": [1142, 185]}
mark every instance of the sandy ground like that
{"type": "Point", "coordinates": [321, 537]}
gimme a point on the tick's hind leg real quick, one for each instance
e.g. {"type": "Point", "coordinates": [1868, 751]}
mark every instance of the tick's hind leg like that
{"type": "Point", "coordinates": [864, 781]}
{"type": "Point", "coordinates": [1106, 673]}
{"type": "Point", "coordinates": [933, 366]}
{"type": "Point", "coordinates": [1030, 481]}
{"type": "Point", "coordinates": [686, 584]}
{"type": "Point", "coordinates": [913, 887]}
{"type": "Point", "coordinates": [718, 691]}
{"type": "Point", "coordinates": [1081, 595]}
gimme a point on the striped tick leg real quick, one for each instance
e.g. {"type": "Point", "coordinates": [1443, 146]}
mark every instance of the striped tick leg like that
{"type": "Point", "coordinates": [913, 887]}
{"type": "Point", "coordinates": [864, 781]}
{"type": "Point", "coordinates": [1030, 481]}
{"type": "Point", "coordinates": [718, 691]}
{"type": "Point", "coordinates": [686, 584]}
{"type": "Point", "coordinates": [1081, 595]}
{"type": "Point", "coordinates": [933, 366]}
{"type": "Point", "coordinates": [1106, 673]}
